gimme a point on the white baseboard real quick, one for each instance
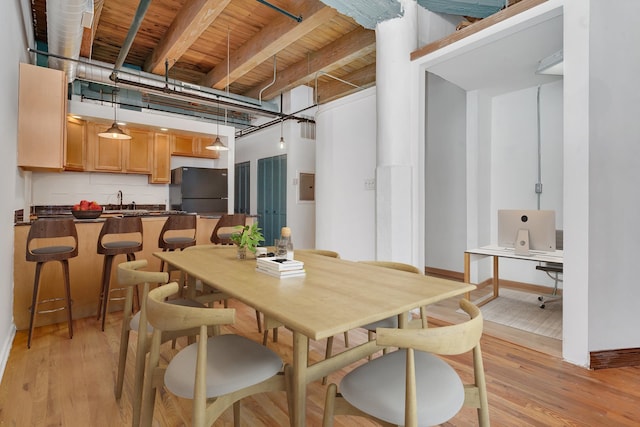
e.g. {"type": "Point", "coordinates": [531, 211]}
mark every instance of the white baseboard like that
{"type": "Point", "coordinates": [6, 348]}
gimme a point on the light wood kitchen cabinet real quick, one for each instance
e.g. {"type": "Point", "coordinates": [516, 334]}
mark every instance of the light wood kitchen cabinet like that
{"type": "Point", "coordinates": [42, 107]}
{"type": "Point", "coordinates": [192, 146]}
{"type": "Point", "coordinates": [122, 155]}
{"type": "Point", "coordinates": [161, 169]}
{"type": "Point", "coordinates": [107, 154]}
{"type": "Point", "coordinates": [138, 151]}
{"type": "Point", "coordinates": [76, 144]}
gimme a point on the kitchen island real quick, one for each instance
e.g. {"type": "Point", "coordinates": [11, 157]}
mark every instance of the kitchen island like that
{"type": "Point", "coordinates": [85, 269]}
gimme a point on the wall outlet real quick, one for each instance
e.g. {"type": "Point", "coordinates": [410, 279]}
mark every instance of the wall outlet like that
{"type": "Point", "coordinates": [370, 184]}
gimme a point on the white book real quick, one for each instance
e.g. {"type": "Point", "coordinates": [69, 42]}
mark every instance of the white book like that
{"type": "Point", "coordinates": [282, 274]}
{"type": "Point", "coordinates": [279, 264]}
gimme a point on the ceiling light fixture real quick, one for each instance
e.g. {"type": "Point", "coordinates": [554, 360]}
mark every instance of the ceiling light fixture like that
{"type": "Point", "coordinates": [281, 137]}
{"type": "Point", "coordinates": [114, 132]}
{"type": "Point", "coordinates": [552, 64]}
{"type": "Point", "coordinates": [217, 145]}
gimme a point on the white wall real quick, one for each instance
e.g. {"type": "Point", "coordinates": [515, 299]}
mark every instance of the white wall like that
{"type": "Point", "coordinates": [445, 165]}
{"type": "Point", "coordinates": [301, 216]}
{"type": "Point", "coordinates": [613, 196]}
{"type": "Point", "coordinates": [345, 165]}
{"type": "Point", "coordinates": [17, 36]}
{"type": "Point", "coordinates": [514, 163]}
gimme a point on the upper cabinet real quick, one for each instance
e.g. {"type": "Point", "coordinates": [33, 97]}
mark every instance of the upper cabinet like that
{"type": "Point", "coordinates": [75, 156]}
{"type": "Point", "coordinates": [161, 165]}
{"type": "Point", "coordinates": [192, 146]}
{"type": "Point", "coordinates": [121, 155]}
{"type": "Point", "coordinates": [42, 109]}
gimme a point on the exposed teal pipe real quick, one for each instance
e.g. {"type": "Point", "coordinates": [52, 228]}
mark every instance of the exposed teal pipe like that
{"type": "Point", "coordinates": [131, 35]}
{"type": "Point", "coordinates": [284, 12]}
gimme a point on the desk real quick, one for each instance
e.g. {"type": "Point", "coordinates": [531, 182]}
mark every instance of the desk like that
{"type": "Point", "coordinates": [335, 296]}
{"type": "Point", "coordinates": [498, 252]}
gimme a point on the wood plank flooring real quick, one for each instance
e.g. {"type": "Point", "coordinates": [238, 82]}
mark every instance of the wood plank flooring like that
{"type": "Point", "coordinates": [70, 383]}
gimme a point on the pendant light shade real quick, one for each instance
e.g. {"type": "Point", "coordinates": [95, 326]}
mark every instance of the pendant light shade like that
{"type": "Point", "coordinates": [114, 132]}
{"type": "Point", "coordinates": [217, 145]}
{"type": "Point", "coordinates": [281, 137]}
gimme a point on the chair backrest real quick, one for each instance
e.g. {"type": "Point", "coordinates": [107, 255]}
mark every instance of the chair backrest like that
{"type": "Point", "coordinates": [65, 236]}
{"type": "Point", "coordinates": [227, 220]}
{"type": "Point", "coordinates": [130, 275]}
{"type": "Point", "coordinates": [177, 222]}
{"type": "Point", "coordinates": [120, 225]}
{"type": "Point", "coordinates": [171, 317]}
{"type": "Point", "coordinates": [394, 265]}
{"type": "Point", "coordinates": [323, 252]}
{"type": "Point", "coordinates": [444, 340]}
{"type": "Point", "coordinates": [559, 239]}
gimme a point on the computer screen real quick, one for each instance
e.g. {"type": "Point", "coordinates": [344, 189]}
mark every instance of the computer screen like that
{"type": "Point", "coordinates": [526, 230]}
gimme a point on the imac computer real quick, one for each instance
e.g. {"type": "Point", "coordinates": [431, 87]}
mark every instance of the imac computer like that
{"type": "Point", "coordinates": [527, 230]}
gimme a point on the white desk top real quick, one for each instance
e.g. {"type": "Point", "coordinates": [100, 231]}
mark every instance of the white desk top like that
{"type": "Point", "coordinates": [495, 250]}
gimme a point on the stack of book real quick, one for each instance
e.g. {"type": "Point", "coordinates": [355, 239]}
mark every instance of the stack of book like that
{"type": "Point", "coordinates": [280, 267]}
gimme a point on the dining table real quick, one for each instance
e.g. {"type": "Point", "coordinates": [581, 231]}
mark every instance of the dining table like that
{"type": "Point", "coordinates": [333, 296]}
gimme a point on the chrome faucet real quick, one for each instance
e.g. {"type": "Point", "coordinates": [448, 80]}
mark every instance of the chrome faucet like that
{"type": "Point", "coordinates": [120, 199]}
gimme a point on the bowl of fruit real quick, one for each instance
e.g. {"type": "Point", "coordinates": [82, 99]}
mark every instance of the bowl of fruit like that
{"type": "Point", "coordinates": [86, 210]}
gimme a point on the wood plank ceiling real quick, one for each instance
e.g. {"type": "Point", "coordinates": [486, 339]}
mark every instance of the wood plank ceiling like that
{"type": "Point", "coordinates": [231, 44]}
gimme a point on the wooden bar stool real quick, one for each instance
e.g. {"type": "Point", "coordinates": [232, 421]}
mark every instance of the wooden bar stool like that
{"type": "Point", "coordinates": [118, 236]}
{"type": "Point", "coordinates": [172, 236]}
{"type": "Point", "coordinates": [62, 233]}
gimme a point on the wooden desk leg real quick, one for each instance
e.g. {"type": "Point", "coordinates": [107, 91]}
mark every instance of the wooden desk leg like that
{"type": "Point", "coordinates": [300, 345]}
{"type": "Point", "coordinates": [495, 281]}
{"type": "Point", "coordinates": [496, 277]}
{"type": "Point", "coordinates": [467, 272]}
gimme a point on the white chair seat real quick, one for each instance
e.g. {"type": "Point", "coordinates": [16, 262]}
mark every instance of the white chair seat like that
{"type": "Point", "coordinates": [378, 388]}
{"type": "Point", "coordinates": [233, 363]}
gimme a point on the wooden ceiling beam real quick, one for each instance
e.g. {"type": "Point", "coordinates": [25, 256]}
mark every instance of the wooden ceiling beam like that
{"type": "Point", "coordinates": [192, 20]}
{"type": "Point", "coordinates": [282, 32]}
{"type": "Point", "coordinates": [89, 33]}
{"type": "Point", "coordinates": [364, 77]}
{"type": "Point", "coordinates": [342, 51]}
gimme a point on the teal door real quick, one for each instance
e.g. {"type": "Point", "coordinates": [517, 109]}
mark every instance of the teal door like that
{"type": "Point", "coordinates": [241, 186]}
{"type": "Point", "coordinates": [272, 196]}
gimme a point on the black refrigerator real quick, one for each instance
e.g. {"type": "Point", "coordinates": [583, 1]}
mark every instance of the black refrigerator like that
{"type": "Point", "coordinates": [199, 190]}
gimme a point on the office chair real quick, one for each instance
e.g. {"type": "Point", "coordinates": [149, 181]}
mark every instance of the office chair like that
{"type": "Point", "coordinates": [553, 270]}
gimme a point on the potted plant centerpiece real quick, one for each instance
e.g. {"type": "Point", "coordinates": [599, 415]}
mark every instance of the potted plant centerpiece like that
{"type": "Point", "coordinates": [247, 237]}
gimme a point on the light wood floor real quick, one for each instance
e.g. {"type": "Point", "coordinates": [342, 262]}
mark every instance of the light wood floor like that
{"type": "Point", "coordinates": [70, 383]}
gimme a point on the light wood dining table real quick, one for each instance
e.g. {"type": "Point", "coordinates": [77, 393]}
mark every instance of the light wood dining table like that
{"type": "Point", "coordinates": [334, 296]}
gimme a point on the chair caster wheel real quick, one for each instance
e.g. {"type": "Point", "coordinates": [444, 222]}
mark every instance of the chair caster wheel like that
{"type": "Point", "coordinates": [540, 298]}
{"type": "Point", "coordinates": [542, 306]}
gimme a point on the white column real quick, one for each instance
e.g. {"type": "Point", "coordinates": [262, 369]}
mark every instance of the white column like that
{"type": "Point", "coordinates": [395, 182]}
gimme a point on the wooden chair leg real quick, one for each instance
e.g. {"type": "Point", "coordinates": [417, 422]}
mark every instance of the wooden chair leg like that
{"type": "Point", "coordinates": [67, 286]}
{"type": "Point", "coordinates": [327, 354]}
{"type": "Point", "coordinates": [236, 414]}
{"type": "Point", "coordinates": [34, 302]}
{"type": "Point", "coordinates": [258, 321]}
{"type": "Point", "coordinates": [346, 338]}
{"type": "Point", "coordinates": [106, 287]}
{"type": "Point", "coordinates": [327, 419]}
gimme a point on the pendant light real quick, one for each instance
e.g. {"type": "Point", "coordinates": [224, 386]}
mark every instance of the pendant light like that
{"type": "Point", "coordinates": [114, 132]}
{"type": "Point", "coordinates": [281, 137]}
{"type": "Point", "coordinates": [217, 145]}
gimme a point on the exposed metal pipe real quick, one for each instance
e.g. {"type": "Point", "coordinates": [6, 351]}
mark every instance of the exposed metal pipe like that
{"type": "Point", "coordinates": [283, 117]}
{"type": "Point", "coordinates": [64, 33]}
{"type": "Point", "coordinates": [131, 35]}
{"type": "Point", "coordinates": [333, 77]}
{"type": "Point", "coordinates": [284, 12]}
{"type": "Point", "coordinates": [538, 187]}
{"type": "Point", "coordinates": [101, 72]}
{"type": "Point", "coordinates": [270, 84]}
